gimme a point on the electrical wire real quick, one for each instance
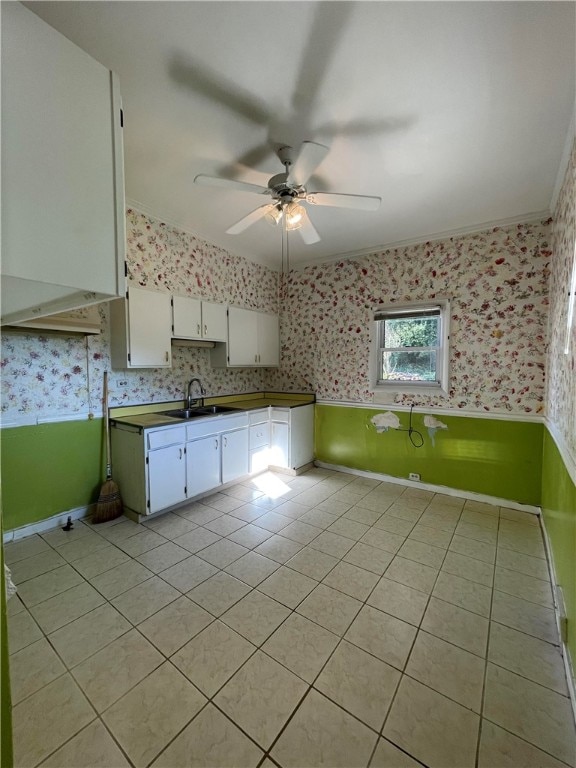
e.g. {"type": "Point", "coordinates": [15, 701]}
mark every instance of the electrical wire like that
{"type": "Point", "coordinates": [411, 431]}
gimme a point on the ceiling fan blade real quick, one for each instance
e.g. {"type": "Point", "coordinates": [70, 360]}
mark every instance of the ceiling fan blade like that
{"type": "Point", "coordinates": [239, 186]}
{"type": "Point", "coordinates": [336, 200]}
{"type": "Point", "coordinates": [309, 158]}
{"type": "Point", "coordinates": [308, 231]}
{"type": "Point", "coordinates": [246, 221]}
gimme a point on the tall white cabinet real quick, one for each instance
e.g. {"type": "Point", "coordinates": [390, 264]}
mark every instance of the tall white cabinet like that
{"type": "Point", "coordinates": [63, 237]}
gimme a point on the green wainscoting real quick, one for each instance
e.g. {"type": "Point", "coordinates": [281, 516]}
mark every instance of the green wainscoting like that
{"type": "Point", "coordinates": [559, 511]}
{"type": "Point", "coordinates": [489, 456]}
{"type": "Point", "coordinates": [50, 468]}
{"type": "Point", "coordinates": [6, 760]}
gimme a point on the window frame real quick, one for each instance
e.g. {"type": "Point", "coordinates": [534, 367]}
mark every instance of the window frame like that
{"type": "Point", "coordinates": [414, 309]}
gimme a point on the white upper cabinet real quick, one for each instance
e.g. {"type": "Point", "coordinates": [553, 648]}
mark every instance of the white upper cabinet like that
{"type": "Point", "coordinates": [196, 319]}
{"type": "Point", "coordinates": [242, 337]}
{"type": "Point", "coordinates": [214, 321]}
{"type": "Point", "coordinates": [140, 330]}
{"type": "Point", "coordinates": [268, 339]}
{"type": "Point", "coordinates": [63, 235]}
{"type": "Point", "coordinates": [253, 340]}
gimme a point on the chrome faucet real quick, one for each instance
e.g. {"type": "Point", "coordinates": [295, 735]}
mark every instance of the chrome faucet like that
{"type": "Point", "coordinates": [192, 401]}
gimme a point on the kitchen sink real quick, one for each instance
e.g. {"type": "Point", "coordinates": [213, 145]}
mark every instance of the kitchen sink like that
{"type": "Point", "coordinates": [206, 410]}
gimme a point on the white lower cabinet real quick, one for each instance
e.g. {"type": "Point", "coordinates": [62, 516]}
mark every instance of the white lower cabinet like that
{"type": "Point", "coordinates": [161, 467]}
{"type": "Point", "coordinates": [203, 465]}
{"type": "Point", "coordinates": [234, 455]}
{"type": "Point", "coordinates": [259, 440]}
{"type": "Point", "coordinates": [166, 477]}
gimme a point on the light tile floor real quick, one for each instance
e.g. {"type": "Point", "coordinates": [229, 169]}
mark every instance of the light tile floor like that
{"type": "Point", "coordinates": [321, 620]}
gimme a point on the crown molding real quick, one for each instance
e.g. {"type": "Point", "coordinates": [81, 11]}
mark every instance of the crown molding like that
{"type": "Point", "coordinates": [526, 218]}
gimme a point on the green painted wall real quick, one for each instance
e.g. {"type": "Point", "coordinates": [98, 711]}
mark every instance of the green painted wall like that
{"type": "Point", "coordinates": [6, 703]}
{"type": "Point", "coordinates": [489, 456]}
{"type": "Point", "coordinates": [559, 511]}
{"type": "Point", "coordinates": [49, 469]}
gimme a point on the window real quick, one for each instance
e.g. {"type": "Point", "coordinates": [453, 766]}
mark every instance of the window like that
{"type": "Point", "coordinates": [412, 346]}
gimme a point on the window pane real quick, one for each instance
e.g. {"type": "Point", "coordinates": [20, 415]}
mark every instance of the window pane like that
{"type": "Point", "coordinates": [409, 366]}
{"type": "Point", "coordinates": [412, 332]}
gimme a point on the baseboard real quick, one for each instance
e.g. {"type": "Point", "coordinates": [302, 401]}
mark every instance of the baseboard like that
{"type": "Point", "coordinates": [568, 665]}
{"type": "Point", "coordinates": [46, 525]}
{"type": "Point", "coordinates": [533, 510]}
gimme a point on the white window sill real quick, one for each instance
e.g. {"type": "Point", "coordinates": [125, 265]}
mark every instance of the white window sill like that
{"type": "Point", "coordinates": [386, 393]}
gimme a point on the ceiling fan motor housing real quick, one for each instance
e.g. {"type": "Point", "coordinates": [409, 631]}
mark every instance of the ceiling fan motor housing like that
{"type": "Point", "coordinates": [284, 191]}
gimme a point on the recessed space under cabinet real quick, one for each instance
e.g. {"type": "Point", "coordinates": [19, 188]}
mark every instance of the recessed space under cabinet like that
{"type": "Point", "coordinates": [141, 326]}
{"type": "Point", "coordinates": [291, 437]}
{"type": "Point", "coordinates": [198, 319]}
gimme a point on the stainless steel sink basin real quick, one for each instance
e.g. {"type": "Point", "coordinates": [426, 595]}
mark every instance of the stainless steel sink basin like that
{"type": "Point", "coordinates": [193, 413]}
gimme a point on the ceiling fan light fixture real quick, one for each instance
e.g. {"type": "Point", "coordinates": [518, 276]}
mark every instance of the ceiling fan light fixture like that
{"type": "Point", "coordinates": [274, 215]}
{"type": "Point", "coordinates": [294, 216]}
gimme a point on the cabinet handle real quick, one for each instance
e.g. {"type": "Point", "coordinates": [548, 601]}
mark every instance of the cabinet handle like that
{"type": "Point", "coordinates": [255, 358]}
{"type": "Point", "coordinates": [216, 445]}
{"type": "Point", "coordinates": [225, 442]}
{"type": "Point", "coordinates": [167, 356]}
{"type": "Point", "coordinates": [205, 330]}
{"type": "Point", "coordinates": [199, 332]}
{"type": "Point", "coordinates": [180, 453]}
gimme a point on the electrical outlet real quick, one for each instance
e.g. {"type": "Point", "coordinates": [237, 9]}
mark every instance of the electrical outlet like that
{"type": "Point", "coordinates": [414, 476]}
{"type": "Point", "coordinates": [122, 384]}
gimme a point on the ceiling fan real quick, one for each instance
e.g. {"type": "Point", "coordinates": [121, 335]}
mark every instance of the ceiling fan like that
{"type": "Point", "coordinates": [288, 192]}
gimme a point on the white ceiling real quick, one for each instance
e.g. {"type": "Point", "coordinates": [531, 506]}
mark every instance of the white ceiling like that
{"type": "Point", "coordinates": [455, 113]}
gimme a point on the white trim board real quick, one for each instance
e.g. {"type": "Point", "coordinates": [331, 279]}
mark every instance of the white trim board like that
{"type": "Point", "coordinates": [444, 489]}
{"type": "Point", "coordinates": [435, 410]}
{"type": "Point", "coordinates": [56, 521]}
{"type": "Point", "coordinates": [29, 420]}
{"type": "Point", "coordinates": [568, 665]}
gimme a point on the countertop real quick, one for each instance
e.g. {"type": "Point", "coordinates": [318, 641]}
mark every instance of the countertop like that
{"type": "Point", "coordinates": [148, 419]}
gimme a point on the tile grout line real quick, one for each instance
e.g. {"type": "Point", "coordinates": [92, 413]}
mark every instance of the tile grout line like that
{"type": "Point", "coordinates": [363, 602]}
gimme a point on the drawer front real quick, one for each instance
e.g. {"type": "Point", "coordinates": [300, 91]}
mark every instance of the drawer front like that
{"type": "Point", "coordinates": [216, 425]}
{"type": "Point", "coordinates": [259, 435]}
{"type": "Point", "coordinates": [163, 437]}
{"type": "Point", "coordinates": [257, 417]}
{"type": "Point", "coordinates": [280, 414]}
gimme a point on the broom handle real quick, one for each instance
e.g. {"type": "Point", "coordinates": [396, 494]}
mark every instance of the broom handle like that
{"type": "Point", "coordinates": [107, 426]}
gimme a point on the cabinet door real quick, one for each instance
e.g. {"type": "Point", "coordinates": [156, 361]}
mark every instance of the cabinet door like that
{"type": "Point", "coordinates": [268, 339]}
{"type": "Point", "coordinates": [242, 337]}
{"type": "Point", "coordinates": [166, 477]}
{"type": "Point", "coordinates": [301, 436]}
{"type": "Point", "coordinates": [214, 321]}
{"type": "Point", "coordinates": [280, 445]}
{"type": "Point", "coordinates": [63, 243]}
{"type": "Point", "coordinates": [234, 455]}
{"type": "Point", "coordinates": [202, 465]}
{"type": "Point", "coordinates": [149, 322]}
{"type": "Point", "coordinates": [186, 318]}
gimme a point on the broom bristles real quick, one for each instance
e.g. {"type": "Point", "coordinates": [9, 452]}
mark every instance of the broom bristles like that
{"type": "Point", "coordinates": [109, 505]}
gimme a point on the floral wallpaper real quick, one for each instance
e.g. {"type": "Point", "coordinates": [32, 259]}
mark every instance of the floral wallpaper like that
{"type": "Point", "coordinates": [52, 376]}
{"type": "Point", "coordinates": [497, 282]}
{"type": "Point", "coordinates": [561, 367]}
